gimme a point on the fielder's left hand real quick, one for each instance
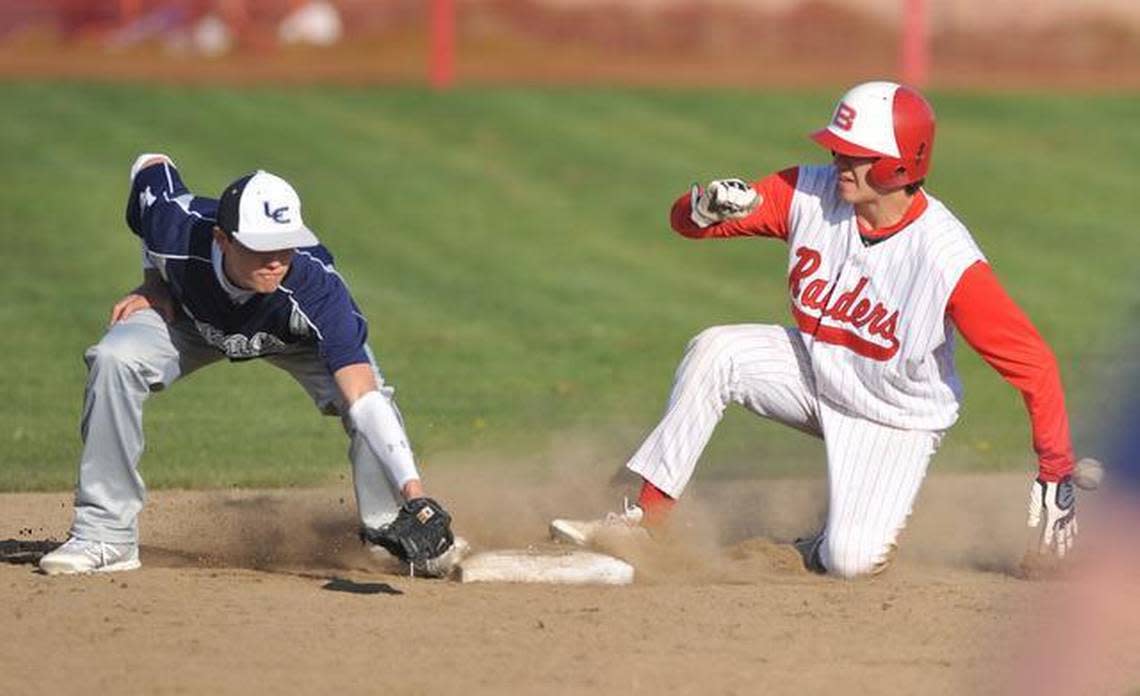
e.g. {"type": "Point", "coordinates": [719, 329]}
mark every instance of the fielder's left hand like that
{"type": "Point", "coordinates": [420, 532]}
{"type": "Point", "coordinates": [1054, 505]}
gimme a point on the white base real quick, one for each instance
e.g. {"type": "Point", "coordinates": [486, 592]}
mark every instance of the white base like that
{"type": "Point", "coordinates": [553, 567]}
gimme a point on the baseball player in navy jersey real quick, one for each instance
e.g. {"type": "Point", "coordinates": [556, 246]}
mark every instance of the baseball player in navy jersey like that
{"type": "Point", "coordinates": [881, 277]}
{"type": "Point", "coordinates": [240, 277]}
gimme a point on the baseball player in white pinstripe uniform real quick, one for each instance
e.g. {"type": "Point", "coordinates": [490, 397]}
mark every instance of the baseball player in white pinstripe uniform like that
{"type": "Point", "coordinates": [881, 276]}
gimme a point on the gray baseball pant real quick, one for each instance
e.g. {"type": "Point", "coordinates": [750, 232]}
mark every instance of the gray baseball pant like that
{"type": "Point", "coordinates": [144, 354]}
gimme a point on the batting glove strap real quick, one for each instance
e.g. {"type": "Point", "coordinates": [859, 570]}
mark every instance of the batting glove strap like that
{"type": "Point", "coordinates": [1053, 508]}
{"type": "Point", "coordinates": [699, 208]}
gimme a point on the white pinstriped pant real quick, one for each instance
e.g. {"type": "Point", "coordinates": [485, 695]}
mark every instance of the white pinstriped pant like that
{"type": "Point", "coordinates": [874, 471]}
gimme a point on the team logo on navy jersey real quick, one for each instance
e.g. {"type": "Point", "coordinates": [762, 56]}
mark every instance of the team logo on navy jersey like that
{"type": "Point", "coordinates": [239, 346]}
{"type": "Point", "coordinates": [146, 198]}
{"type": "Point", "coordinates": [278, 214]}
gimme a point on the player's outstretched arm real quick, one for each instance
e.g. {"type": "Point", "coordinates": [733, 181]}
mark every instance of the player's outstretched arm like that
{"type": "Point", "coordinates": [994, 326]}
{"type": "Point", "coordinates": [420, 535]}
{"type": "Point", "coordinates": [374, 416]}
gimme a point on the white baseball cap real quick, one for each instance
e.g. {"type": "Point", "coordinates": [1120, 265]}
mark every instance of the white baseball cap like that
{"type": "Point", "coordinates": [263, 212]}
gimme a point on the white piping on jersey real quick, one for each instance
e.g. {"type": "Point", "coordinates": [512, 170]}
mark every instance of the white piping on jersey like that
{"type": "Point", "coordinates": [328, 268]}
{"type": "Point", "coordinates": [297, 308]}
{"type": "Point", "coordinates": [177, 257]}
{"type": "Point", "coordinates": [183, 201]}
{"type": "Point", "coordinates": [332, 271]}
{"type": "Point", "coordinates": [166, 171]}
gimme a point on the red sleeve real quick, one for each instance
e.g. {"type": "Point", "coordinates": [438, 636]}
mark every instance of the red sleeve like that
{"type": "Point", "coordinates": [996, 327]}
{"type": "Point", "coordinates": [770, 219]}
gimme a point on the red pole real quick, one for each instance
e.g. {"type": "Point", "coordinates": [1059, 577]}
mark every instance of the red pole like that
{"type": "Point", "coordinates": [128, 11]}
{"type": "Point", "coordinates": [442, 70]}
{"type": "Point", "coordinates": [915, 54]}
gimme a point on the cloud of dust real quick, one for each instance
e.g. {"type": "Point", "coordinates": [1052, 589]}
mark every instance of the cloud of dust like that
{"type": "Point", "coordinates": [974, 521]}
{"type": "Point", "coordinates": [721, 531]}
{"type": "Point", "coordinates": [256, 530]}
{"type": "Point", "coordinates": [740, 530]}
{"type": "Point", "coordinates": [494, 507]}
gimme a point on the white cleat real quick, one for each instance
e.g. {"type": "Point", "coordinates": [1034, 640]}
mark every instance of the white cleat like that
{"type": "Point", "coordinates": [78, 556]}
{"type": "Point", "coordinates": [626, 523]}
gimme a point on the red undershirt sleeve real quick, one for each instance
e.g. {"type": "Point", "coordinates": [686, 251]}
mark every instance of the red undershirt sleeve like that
{"type": "Point", "coordinates": [770, 219]}
{"type": "Point", "coordinates": [1000, 332]}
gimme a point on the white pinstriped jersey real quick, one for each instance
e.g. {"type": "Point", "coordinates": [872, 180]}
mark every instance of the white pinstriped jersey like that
{"type": "Point", "coordinates": [874, 317]}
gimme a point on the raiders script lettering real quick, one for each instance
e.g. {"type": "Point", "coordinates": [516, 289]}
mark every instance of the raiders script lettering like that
{"type": "Point", "coordinates": [849, 308]}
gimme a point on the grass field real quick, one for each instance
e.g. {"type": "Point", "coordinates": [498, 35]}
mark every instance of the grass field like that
{"type": "Point", "coordinates": [511, 250]}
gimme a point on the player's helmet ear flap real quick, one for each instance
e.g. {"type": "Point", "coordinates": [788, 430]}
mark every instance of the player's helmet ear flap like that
{"type": "Point", "coordinates": [891, 122]}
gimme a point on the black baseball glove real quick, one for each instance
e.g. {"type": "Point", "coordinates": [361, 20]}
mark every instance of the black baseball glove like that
{"type": "Point", "coordinates": [420, 532]}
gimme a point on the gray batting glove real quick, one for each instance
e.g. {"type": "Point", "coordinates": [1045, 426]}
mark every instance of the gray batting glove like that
{"type": "Point", "coordinates": [1054, 504]}
{"type": "Point", "coordinates": [723, 199]}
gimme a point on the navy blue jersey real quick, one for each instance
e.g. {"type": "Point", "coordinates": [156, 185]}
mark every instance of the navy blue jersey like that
{"type": "Point", "coordinates": [312, 305]}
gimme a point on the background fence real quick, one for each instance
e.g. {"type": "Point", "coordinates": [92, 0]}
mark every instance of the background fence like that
{"type": "Point", "coordinates": [1044, 43]}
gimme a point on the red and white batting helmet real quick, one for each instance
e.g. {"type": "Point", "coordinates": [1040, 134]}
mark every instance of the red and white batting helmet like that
{"type": "Point", "coordinates": [886, 120]}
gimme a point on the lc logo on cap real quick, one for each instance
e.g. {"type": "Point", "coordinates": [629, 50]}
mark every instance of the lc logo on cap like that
{"type": "Point", "coordinates": [278, 214]}
{"type": "Point", "coordinates": [263, 212]}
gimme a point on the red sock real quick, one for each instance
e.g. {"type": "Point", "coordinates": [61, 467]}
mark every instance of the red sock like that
{"type": "Point", "coordinates": [655, 503]}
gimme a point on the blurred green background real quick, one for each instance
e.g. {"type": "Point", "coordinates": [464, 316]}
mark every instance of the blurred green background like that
{"type": "Point", "coordinates": [511, 249]}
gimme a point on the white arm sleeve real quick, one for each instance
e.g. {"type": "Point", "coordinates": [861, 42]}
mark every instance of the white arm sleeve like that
{"type": "Point", "coordinates": [375, 418]}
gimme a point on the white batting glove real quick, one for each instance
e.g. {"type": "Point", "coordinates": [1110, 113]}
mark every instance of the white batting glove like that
{"type": "Point", "coordinates": [1058, 501]}
{"type": "Point", "coordinates": [722, 200]}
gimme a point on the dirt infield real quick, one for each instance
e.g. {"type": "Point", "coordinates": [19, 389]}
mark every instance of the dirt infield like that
{"type": "Point", "coordinates": [268, 592]}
